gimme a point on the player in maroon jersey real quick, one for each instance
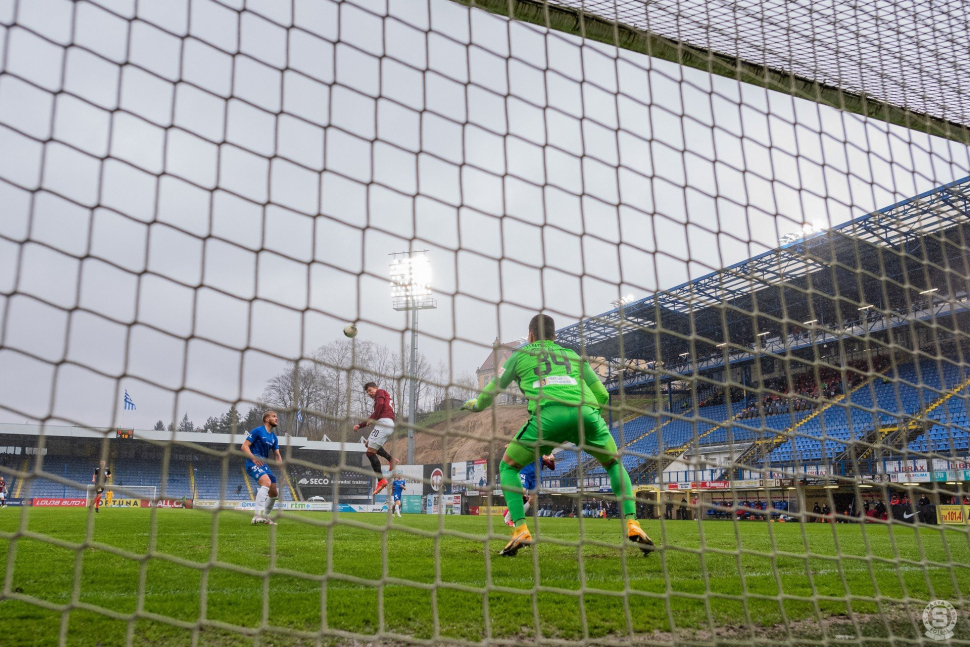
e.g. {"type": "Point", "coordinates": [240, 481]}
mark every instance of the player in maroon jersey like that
{"type": "Point", "coordinates": [383, 421]}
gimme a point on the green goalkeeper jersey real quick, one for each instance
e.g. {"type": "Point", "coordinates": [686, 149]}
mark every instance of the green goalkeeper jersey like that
{"type": "Point", "coordinates": [547, 374]}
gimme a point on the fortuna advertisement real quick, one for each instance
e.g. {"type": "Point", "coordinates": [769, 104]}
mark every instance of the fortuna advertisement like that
{"type": "Point", "coordinates": [123, 503]}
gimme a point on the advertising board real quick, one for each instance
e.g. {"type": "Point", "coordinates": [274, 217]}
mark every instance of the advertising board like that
{"type": "Point", "coordinates": [413, 476]}
{"type": "Point", "coordinates": [953, 514]}
{"type": "Point", "coordinates": [438, 477]}
{"type": "Point", "coordinates": [411, 504]}
{"type": "Point", "coordinates": [115, 502]}
{"type": "Point", "coordinates": [166, 503]}
{"type": "Point", "coordinates": [58, 503]}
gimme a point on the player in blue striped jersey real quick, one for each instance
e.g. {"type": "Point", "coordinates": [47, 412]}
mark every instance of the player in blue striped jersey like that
{"type": "Point", "coordinates": [529, 477]}
{"type": "Point", "coordinates": [398, 485]}
{"type": "Point", "coordinates": [258, 447]}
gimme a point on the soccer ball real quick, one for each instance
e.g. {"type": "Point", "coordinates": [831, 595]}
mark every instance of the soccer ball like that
{"type": "Point", "coordinates": [350, 331]}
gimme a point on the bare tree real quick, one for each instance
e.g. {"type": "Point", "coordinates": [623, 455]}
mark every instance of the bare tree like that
{"type": "Point", "coordinates": [328, 387]}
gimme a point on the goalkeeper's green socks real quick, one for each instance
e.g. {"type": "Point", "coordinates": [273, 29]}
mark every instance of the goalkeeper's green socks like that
{"type": "Point", "coordinates": [512, 489]}
{"type": "Point", "coordinates": [622, 488]}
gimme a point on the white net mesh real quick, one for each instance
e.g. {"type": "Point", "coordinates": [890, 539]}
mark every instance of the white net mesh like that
{"type": "Point", "coordinates": [721, 205]}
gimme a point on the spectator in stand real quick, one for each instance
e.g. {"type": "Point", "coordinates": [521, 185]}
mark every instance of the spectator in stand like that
{"type": "Point", "coordinates": [816, 510]}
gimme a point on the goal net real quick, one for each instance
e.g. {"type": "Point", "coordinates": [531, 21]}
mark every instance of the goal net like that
{"type": "Point", "coordinates": [748, 221]}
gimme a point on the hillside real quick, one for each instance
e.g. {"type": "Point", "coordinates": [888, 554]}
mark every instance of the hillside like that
{"type": "Point", "coordinates": [469, 436]}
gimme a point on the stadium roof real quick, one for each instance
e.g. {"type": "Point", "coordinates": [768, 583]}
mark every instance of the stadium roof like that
{"type": "Point", "coordinates": [901, 61]}
{"type": "Point", "coordinates": [900, 246]}
{"type": "Point", "coordinates": [179, 437]}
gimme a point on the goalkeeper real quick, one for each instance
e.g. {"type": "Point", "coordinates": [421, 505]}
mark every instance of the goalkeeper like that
{"type": "Point", "coordinates": [564, 397]}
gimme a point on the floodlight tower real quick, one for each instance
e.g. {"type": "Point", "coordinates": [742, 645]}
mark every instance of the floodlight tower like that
{"type": "Point", "coordinates": [411, 290]}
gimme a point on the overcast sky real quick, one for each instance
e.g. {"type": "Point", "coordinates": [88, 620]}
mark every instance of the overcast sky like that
{"type": "Point", "coordinates": [193, 193]}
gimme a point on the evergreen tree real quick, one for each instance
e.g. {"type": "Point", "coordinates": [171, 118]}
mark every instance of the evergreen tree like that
{"type": "Point", "coordinates": [159, 426]}
{"type": "Point", "coordinates": [186, 424]}
{"type": "Point", "coordinates": [254, 418]}
{"type": "Point", "coordinates": [230, 421]}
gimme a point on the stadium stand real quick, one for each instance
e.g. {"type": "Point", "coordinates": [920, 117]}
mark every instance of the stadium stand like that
{"type": "Point", "coordinates": [875, 370]}
{"type": "Point", "coordinates": [62, 465]}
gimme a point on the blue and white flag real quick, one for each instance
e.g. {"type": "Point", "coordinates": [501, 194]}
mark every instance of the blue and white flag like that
{"type": "Point", "coordinates": [129, 403]}
{"type": "Point", "coordinates": [299, 415]}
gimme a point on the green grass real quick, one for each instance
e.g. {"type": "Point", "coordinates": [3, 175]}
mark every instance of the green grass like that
{"type": "Point", "coordinates": [434, 417]}
{"type": "Point", "coordinates": [329, 578]}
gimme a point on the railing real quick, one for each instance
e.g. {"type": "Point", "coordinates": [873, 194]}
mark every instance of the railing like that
{"type": "Point", "coordinates": [780, 346]}
{"type": "Point", "coordinates": [768, 444]}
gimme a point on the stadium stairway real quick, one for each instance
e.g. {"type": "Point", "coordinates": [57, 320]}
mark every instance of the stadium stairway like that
{"type": "Point", "coordinates": [650, 469]}
{"type": "Point", "coordinates": [194, 491]}
{"type": "Point", "coordinates": [766, 445]}
{"type": "Point", "coordinates": [898, 436]}
{"type": "Point", "coordinates": [17, 491]}
{"type": "Point", "coordinates": [249, 486]}
{"type": "Point", "coordinates": [289, 485]}
{"type": "Point", "coordinates": [589, 464]}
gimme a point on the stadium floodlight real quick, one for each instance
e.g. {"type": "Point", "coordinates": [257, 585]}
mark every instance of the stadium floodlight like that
{"type": "Point", "coordinates": [930, 291]}
{"type": "Point", "coordinates": [684, 354]}
{"type": "Point", "coordinates": [722, 345]}
{"type": "Point", "coordinates": [622, 301]}
{"type": "Point", "coordinates": [764, 334]}
{"type": "Point", "coordinates": [866, 307]}
{"type": "Point", "coordinates": [411, 290]}
{"type": "Point", "coordinates": [810, 322]}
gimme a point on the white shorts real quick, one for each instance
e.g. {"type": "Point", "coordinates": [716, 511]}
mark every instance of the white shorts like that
{"type": "Point", "coordinates": [383, 429]}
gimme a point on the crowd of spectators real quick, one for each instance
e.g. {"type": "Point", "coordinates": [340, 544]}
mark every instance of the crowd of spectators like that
{"type": "Point", "coordinates": [807, 390]}
{"type": "Point", "coordinates": [600, 509]}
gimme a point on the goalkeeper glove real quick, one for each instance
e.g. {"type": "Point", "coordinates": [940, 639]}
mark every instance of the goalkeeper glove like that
{"type": "Point", "coordinates": [471, 405]}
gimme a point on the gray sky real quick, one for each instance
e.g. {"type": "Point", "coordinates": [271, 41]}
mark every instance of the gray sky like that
{"type": "Point", "coordinates": [190, 207]}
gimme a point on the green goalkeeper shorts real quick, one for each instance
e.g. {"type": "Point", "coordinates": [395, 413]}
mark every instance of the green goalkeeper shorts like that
{"type": "Point", "coordinates": [556, 424]}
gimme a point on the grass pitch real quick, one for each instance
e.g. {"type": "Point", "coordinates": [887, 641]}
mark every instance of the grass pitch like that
{"type": "Point", "coordinates": [337, 579]}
